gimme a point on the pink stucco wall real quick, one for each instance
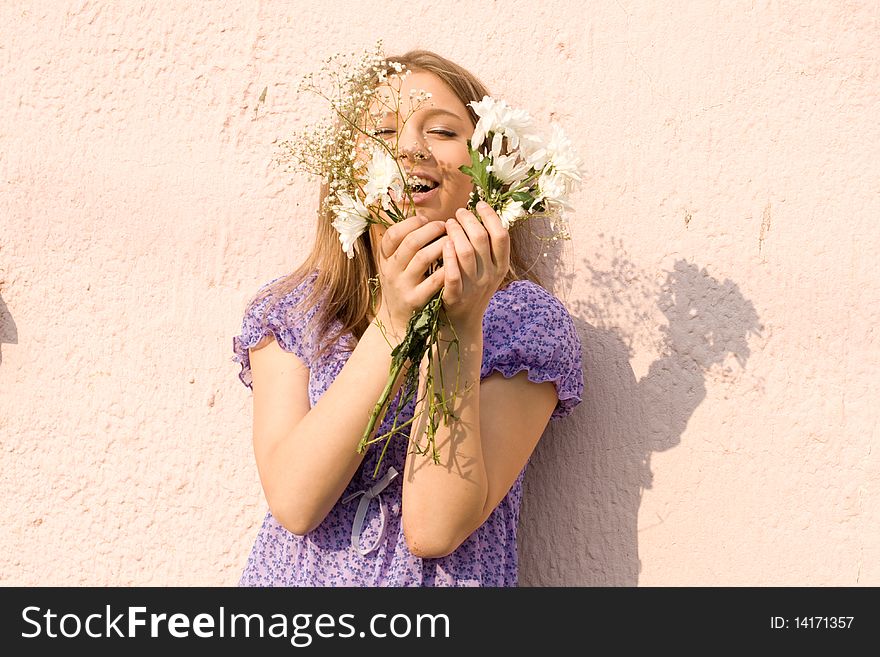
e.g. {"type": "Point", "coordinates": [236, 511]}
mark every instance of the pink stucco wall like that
{"type": "Point", "coordinates": [722, 274]}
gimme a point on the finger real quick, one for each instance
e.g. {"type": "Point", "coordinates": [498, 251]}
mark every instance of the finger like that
{"type": "Point", "coordinates": [464, 250]}
{"type": "Point", "coordinates": [418, 239]}
{"type": "Point", "coordinates": [452, 285]}
{"type": "Point", "coordinates": [396, 234]}
{"type": "Point", "coordinates": [478, 238]}
{"type": "Point", "coordinates": [425, 257]}
{"type": "Point", "coordinates": [428, 288]}
{"type": "Point", "coordinates": [498, 235]}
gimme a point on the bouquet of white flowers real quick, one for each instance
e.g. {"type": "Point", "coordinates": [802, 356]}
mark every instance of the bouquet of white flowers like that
{"type": "Point", "coordinates": [514, 170]}
{"type": "Point", "coordinates": [518, 173]}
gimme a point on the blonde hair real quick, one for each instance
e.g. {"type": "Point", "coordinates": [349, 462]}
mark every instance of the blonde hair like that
{"type": "Point", "coordinates": [340, 291]}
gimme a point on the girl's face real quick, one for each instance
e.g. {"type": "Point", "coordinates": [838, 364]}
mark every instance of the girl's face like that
{"type": "Point", "coordinates": [431, 140]}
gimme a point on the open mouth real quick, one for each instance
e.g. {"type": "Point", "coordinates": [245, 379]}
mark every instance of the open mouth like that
{"type": "Point", "coordinates": [420, 187]}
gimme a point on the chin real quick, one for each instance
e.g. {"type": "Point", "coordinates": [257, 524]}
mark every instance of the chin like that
{"type": "Point", "coordinates": [432, 215]}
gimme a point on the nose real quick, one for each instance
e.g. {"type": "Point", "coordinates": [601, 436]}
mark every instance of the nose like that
{"type": "Point", "coordinates": [412, 145]}
{"type": "Point", "coordinates": [416, 151]}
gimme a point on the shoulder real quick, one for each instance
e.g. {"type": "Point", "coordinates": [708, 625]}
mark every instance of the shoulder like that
{"type": "Point", "coordinates": [282, 294]}
{"type": "Point", "coordinates": [523, 301]}
{"type": "Point", "coordinates": [278, 309]}
{"type": "Point", "coordinates": [527, 328]}
{"type": "Point", "coordinates": [524, 289]}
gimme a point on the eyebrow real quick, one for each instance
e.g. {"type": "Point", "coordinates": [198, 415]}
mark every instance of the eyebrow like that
{"type": "Point", "coordinates": [429, 111]}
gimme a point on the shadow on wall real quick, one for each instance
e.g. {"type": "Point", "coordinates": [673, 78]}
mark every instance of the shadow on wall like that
{"type": "Point", "coordinates": [8, 330]}
{"type": "Point", "coordinates": [579, 524]}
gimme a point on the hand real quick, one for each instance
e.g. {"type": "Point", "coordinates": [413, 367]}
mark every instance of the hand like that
{"type": "Point", "coordinates": [406, 251]}
{"type": "Point", "coordinates": [476, 257]}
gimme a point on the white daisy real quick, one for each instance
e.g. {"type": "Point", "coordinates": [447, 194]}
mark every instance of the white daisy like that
{"type": "Point", "coordinates": [352, 219]}
{"type": "Point", "coordinates": [383, 180]}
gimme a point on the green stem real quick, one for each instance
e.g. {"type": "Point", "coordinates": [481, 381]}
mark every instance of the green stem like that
{"type": "Point", "coordinates": [396, 366]}
{"type": "Point", "coordinates": [420, 337]}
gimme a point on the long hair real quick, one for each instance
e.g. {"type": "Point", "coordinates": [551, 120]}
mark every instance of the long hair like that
{"type": "Point", "coordinates": [340, 292]}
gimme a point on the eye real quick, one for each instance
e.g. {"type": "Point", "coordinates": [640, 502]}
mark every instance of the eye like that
{"type": "Point", "coordinates": [384, 132]}
{"type": "Point", "coordinates": [443, 132]}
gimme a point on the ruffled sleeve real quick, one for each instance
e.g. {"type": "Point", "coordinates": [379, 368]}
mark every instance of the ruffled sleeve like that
{"type": "Point", "coordinates": [527, 328]}
{"type": "Point", "coordinates": [285, 323]}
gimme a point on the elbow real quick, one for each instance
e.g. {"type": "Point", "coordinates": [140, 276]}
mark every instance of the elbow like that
{"type": "Point", "coordinates": [430, 548]}
{"type": "Point", "coordinates": [433, 542]}
{"type": "Point", "coordinates": [298, 528]}
{"type": "Point", "coordinates": [298, 511]}
{"type": "Point", "coordinates": [296, 521]}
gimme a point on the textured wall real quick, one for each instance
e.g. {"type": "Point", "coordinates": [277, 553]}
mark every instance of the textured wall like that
{"type": "Point", "coordinates": [723, 277]}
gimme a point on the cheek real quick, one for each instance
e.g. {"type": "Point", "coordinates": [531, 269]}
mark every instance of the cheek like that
{"type": "Point", "coordinates": [462, 186]}
{"type": "Point", "coordinates": [457, 183]}
{"type": "Point", "coordinates": [461, 156]}
{"type": "Point", "coordinates": [450, 155]}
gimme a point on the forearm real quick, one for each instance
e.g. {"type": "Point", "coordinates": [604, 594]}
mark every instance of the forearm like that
{"type": "Point", "coordinates": [310, 468]}
{"type": "Point", "coordinates": [443, 502]}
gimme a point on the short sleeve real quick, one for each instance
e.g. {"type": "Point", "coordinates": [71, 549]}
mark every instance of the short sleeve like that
{"type": "Point", "coordinates": [525, 328]}
{"type": "Point", "coordinates": [280, 317]}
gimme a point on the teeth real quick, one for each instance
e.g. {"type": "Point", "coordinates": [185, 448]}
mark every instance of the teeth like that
{"type": "Point", "coordinates": [415, 181]}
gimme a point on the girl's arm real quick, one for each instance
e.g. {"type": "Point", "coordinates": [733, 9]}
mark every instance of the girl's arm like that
{"type": "Point", "coordinates": [306, 457]}
{"type": "Point", "coordinates": [498, 423]}
{"type": "Point", "coordinates": [481, 453]}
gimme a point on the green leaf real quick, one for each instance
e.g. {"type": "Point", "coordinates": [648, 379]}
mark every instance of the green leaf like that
{"type": "Point", "coordinates": [477, 169]}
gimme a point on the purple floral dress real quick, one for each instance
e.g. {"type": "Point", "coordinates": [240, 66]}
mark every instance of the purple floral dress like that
{"type": "Point", "coordinates": [524, 328]}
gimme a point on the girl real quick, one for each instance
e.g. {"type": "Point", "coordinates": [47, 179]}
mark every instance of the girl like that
{"type": "Point", "coordinates": [315, 351]}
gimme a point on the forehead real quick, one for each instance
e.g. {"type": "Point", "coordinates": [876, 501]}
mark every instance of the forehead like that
{"type": "Point", "coordinates": [403, 94]}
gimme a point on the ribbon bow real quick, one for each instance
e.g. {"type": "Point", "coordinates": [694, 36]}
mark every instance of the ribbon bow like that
{"type": "Point", "coordinates": [361, 513]}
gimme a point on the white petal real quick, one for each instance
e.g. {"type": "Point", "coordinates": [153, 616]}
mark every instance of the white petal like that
{"type": "Point", "coordinates": [496, 143]}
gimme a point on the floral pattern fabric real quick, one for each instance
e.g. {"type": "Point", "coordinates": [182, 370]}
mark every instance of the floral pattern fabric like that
{"type": "Point", "coordinates": [525, 328]}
